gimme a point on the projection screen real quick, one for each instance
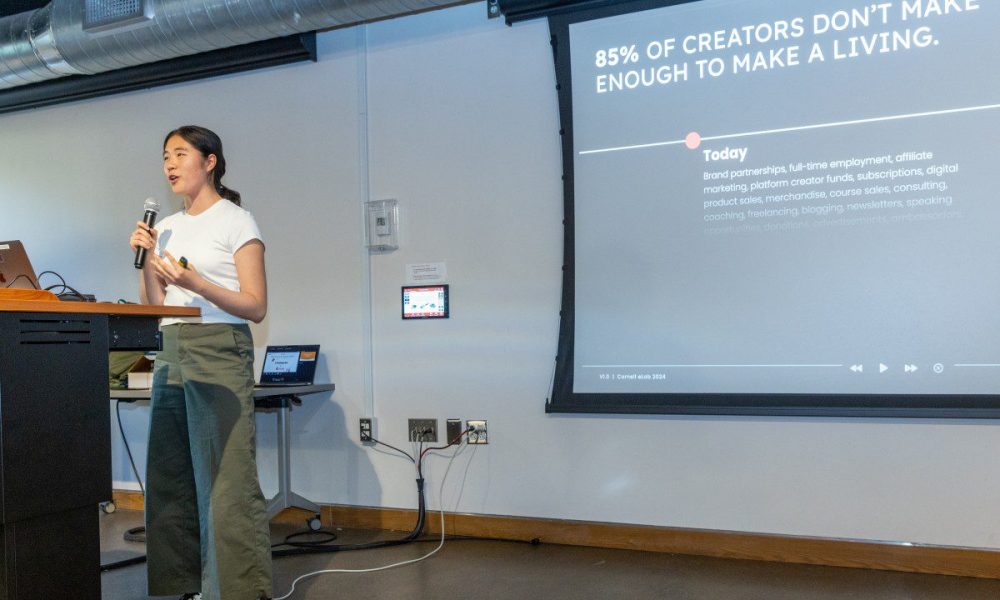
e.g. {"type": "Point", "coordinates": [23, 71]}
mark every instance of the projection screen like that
{"type": "Point", "coordinates": [781, 207]}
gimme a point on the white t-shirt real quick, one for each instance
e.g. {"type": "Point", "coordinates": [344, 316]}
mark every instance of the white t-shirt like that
{"type": "Point", "coordinates": [209, 241]}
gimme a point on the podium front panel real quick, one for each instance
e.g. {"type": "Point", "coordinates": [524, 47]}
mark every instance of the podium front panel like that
{"type": "Point", "coordinates": [55, 421]}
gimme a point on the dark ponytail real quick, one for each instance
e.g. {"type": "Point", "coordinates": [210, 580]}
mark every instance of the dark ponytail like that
{"type": "Point", "coordinates": [207, 142]}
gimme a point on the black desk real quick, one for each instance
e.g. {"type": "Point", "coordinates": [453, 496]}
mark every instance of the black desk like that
{"type": "Point", "coordinates": [280, 399]}
{"type": "Point", "coordinates": [55, 460]}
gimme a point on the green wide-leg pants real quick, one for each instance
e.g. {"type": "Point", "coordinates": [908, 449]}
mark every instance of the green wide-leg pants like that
{"type": "Point", "coordinates": [206, 522]}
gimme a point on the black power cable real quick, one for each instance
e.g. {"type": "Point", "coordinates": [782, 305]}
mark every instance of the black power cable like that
{"type": "Point", "coordinates": [303, 548]}
{"type": "Point", "coordinates": [413, 536]}
{"type": "Point", "coordinates": [403, 452]}
{"type": "Point", "coordinates": [63, 294]}
{"type": "Point", "coordinates": [13, 281]}
{"type": "Point", "coordinates": [62, 285]}
{"type": "Point", "coordinates": [322, 547]}
{"type": "Point", "coordinates": [128, 450]}
{"type": "Point", "coordinates": [135, 534]}
{"type": "Point", "coordinates": [61, 279]}
{"type": "Point", "coordinates": [292, 539]}
{"type": "Point", "coordinates": [72, 294]}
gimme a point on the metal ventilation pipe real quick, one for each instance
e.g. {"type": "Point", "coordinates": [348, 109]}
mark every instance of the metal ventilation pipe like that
{"type": "Point", "coordinates": [84, 37]}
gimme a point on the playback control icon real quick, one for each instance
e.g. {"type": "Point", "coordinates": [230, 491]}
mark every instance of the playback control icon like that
{"type": "Point", "coordinates": [882, 368]}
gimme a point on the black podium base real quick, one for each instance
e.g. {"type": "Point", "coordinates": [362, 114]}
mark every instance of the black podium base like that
{"type": "Point", "coordinates": [52, 557]}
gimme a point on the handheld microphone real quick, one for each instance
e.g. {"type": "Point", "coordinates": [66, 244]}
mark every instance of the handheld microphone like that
{"type": "Point", "coordinates": [152, 208]}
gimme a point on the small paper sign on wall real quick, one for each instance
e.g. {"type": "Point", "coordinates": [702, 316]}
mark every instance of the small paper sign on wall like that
{"type": "Point", "coordinates": [418, 273]}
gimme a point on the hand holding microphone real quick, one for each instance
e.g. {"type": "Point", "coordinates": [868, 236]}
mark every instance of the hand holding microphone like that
{"type": "Point", "coordinates": [143, 239]}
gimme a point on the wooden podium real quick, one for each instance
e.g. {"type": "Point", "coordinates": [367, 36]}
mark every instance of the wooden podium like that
{"type": "Point", "coordinates": [55, 430]}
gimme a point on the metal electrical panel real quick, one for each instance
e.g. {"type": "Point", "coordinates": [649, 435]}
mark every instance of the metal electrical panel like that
{"type": "Point", "coordinates": [382, 231]}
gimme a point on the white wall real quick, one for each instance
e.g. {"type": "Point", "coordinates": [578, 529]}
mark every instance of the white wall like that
{"type": "Point", "coordinates": [462, 128]}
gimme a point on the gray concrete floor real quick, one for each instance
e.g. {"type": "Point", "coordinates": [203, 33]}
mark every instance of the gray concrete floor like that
{"type": "Point", "coordinates": [500, 570]}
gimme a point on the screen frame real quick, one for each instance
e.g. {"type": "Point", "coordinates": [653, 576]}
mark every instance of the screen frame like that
{"type": "Point", "coordinates": [564, 400]}
{"type": "Point", "coordinates": [402, 301]}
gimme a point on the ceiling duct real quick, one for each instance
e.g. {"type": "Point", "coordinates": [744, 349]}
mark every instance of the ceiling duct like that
{"type": "Point", "coordinates": [86, 37]}
{"type": "Point", "coordinates": [523, 10]}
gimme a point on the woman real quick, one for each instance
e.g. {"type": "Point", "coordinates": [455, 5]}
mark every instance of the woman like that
{"type": "Point", "coordinates": [206, 523]}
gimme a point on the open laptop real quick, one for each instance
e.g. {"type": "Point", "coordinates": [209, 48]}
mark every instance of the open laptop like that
{"type": "Point", "coordinates": [15, 268]}
{"type": "Point", "coordinates": [289, 365]}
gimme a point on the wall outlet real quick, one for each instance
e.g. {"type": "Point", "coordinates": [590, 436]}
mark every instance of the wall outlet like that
{"type": "Point", "coordinates": [453, 429]}
{"type": "Point", "coordinates": [477, 432]}
{"type": "Point", "coordinates": [367, 430]}
{"type": "Point", "coordinates": [423, 430]}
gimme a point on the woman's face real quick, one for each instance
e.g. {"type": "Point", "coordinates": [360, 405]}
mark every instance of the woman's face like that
{"type": "Point", "coordinates": [187, 171]}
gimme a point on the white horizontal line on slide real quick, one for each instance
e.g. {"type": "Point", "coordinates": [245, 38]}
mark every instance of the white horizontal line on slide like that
{"type": "Point", "coordinates": [935, 113]}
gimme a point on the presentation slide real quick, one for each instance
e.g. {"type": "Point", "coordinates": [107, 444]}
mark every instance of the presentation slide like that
{"type": "Point", "coordinates": [281, 362]}
{"type": "Point", "coordinates": [788, 197]}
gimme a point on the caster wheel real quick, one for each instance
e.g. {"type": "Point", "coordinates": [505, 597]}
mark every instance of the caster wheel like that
{"type": "Point", "coordinates": [314, 523]}
{"type": "Point", "coordinates": [108, 507]}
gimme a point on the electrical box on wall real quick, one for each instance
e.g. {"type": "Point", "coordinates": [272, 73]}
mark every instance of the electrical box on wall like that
{"type": "Point", "coordinates": [382, 218]}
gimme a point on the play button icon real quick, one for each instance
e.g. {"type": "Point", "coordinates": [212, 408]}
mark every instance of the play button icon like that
{"type": "Point", "coordinates": [882, 368]}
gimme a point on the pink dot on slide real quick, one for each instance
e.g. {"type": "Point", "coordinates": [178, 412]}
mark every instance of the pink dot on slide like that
{"type": "Point", "coordinates": [693, 140]}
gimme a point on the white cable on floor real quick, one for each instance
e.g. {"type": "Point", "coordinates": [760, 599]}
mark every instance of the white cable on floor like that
{"type": "Point", "coordinates": [399, 564]}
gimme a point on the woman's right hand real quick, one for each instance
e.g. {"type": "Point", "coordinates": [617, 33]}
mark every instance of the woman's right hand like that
{"type": "Point", "coordinates": [144, 236]}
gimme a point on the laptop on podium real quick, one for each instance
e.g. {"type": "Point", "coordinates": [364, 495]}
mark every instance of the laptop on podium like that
{"type": "Point", "coordinates": [289, 365]}
{"type": "Point", "coordinates": [15, 268]}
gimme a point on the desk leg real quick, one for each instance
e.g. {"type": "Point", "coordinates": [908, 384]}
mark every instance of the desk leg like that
{"type": "Point", "coordinates": [285, 497]}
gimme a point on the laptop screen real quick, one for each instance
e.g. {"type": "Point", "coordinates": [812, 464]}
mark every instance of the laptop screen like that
{"type": "Point", "coordinates": [289, 365]}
